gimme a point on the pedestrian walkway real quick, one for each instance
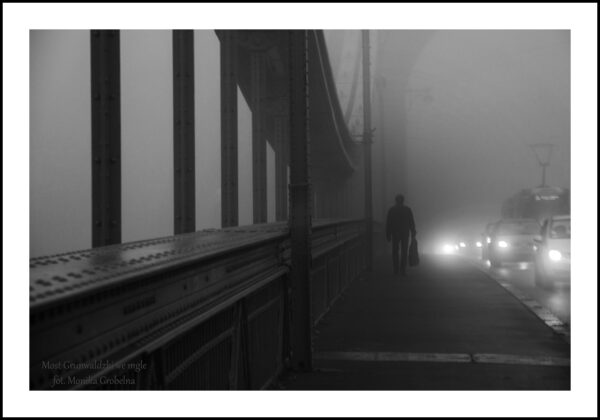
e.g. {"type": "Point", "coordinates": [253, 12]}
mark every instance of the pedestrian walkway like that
{"type": "Point", "coordinates": [446, 326]}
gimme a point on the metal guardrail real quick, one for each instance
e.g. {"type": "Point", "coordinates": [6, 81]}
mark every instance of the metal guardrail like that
{"type": "Point", "coordinates": [205, 310]}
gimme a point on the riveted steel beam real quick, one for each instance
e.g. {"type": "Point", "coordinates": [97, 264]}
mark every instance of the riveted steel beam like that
{"type": "Point", "coordinates": [276, 108]}
{"type": "Point", "coordinates": [367, 143]}
{"type": "Point", "coordinates": [106, 137]}
{"type": "Point", "coordinates": [259, 144]}
{"type": "Point", "coordinates": [229, 129]}
{"type": "Point", "coordinates": [300, 203]}
{"type": "Point", "coordinates": [184, 132]}
{"type": "Point", "coordinates": [281, 140]}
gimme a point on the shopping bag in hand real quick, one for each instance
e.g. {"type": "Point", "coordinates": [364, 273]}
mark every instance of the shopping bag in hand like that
{"type": "Point", "coordinates": [413, 253]}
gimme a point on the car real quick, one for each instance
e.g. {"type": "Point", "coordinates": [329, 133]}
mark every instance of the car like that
{"type": "Point", "coordinates": [511, 240]}
{"type": "Point", "coordinates": [553, 252]}
{"type": "Point", "coordinates": [486, 239]}
{"type": "Point", "coordinates": [470, 246]}
{"type": "Point", "coordinates": [461, 245]}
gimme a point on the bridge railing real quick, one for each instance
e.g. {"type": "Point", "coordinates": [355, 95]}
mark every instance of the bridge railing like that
{"type": "Point", "coordinates": [205, 310]}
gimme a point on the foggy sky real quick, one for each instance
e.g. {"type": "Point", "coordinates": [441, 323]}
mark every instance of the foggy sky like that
{"type": "Point", "coordinates": [60, 141]}
{"type": "Point", "coordinates": [474, 101]}
{"type": "Point", "coordinates": [453, 112]}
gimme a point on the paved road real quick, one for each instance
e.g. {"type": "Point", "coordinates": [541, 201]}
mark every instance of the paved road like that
{"type": "Point", "coordinates": [448, 325]}
{"type": "Point", "coordinates": [521, 275]}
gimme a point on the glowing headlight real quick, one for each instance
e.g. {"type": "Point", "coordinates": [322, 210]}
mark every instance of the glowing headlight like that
{"type": "Point", "coordinates": [448, 249]}
{"type": "Point", "coordinates": [554, 255]}
{"type": "Point", "coordinates": [503, 244]}
{"type": "Point", "coordinates": [478, 244]}
{"type": "Point", "coordinates": [462, 244]}
{"type": "Point", "coordinates": [488, 240]}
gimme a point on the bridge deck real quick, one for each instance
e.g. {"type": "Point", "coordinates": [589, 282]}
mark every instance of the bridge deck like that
{"type": "Point", "coordinates": [447, 325]}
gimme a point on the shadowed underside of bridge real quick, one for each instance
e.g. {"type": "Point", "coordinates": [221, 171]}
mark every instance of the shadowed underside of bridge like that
{"type": "Point", "coordinates": [227, 308]}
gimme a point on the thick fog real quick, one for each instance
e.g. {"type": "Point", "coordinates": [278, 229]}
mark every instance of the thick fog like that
{"type": "Point", "coordinates": [455, 114]}
{"type": "Point", "coordinates": [60, 141]}
{"type": "Point", "coordinates": [491, 95]}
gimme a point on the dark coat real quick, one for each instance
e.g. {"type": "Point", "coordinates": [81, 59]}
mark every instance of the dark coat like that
{"type": "Point", "coordinates": [400, 222]}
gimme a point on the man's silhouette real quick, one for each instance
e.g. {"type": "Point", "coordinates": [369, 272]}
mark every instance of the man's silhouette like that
{"type": "Point", "coordinates": [400, 222]}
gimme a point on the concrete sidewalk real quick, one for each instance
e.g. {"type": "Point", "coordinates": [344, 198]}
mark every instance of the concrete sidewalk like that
{"type": "Point", "coordinates": [446, 326]}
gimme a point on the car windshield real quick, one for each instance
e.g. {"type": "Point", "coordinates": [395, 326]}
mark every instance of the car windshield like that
{"type": "Point", "coordinates": [561, 229]}
{"type": "Point", "coordinates": [518, 228]}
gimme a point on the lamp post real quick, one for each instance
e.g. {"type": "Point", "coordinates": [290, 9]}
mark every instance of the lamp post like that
{"type": "Point", "coordinates": [543, 152]}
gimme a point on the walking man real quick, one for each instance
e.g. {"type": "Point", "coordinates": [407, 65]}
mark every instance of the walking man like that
{"type": "Point", "coordinates": [400, 222]}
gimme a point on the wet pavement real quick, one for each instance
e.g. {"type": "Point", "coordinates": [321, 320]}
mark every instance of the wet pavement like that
{"type": "Point", "coordinates": [447, 325]}
{"type": "Point", "coordinates": [521, 275]}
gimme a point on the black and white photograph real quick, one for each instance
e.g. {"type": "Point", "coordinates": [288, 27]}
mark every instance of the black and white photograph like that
{"type": "Point", "coordinates": [303, 209]}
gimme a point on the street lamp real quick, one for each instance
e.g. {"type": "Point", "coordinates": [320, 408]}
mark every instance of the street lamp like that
{"type": "Point", "coordinates": [543, 152]}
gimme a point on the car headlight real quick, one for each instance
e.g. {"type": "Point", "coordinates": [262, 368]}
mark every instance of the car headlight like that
{"type": "Point", "coordinates": [478, 244]}
{"type": "Point", "coordinates": [554, 255]}
{"type": "Point", "coordinates": [503, 244]}
{"type": "Point", "coordinates": [447, 249]}
{"type": "Point", "coordinates": [462, 244]}
{"type": "Point", "coordinates": [488, 240]}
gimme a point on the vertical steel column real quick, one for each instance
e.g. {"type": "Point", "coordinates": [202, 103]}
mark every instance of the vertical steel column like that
{"type": "Point", "coordinates": [332, 201]}
{"type": "Point", "coordinates": [380, 83]}
{"type": "Point", "coordinates": [183, 132]}
{"type": "Point", "coordinates": [367, 141]}
{"type": "Point", "coordinates": [106, 137]}
{"type": "Point", "coordinates": [300, 207]}
{"type": "Point", "coordinates": [229, 130]}
{"type": "Point", "coordinates": [337, 211]}
{"type": "Point", "coordinates": [400, 142]}
{"type": "Point", "coordinates": [259, 145]}
{"type": "Point", "coordinates": [286, 162]}
{"type": "Point", "coordinates": [317, 199]}
{"type": "Point", "coordinates": [281, 159]}
{"type": "Point", "coordinates": [239, 354]}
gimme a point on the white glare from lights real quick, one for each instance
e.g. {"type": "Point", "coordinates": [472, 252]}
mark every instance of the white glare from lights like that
{"type": "Point", "coordinates": [447, 249]}
{"type": "Point", "coordinates": [554, 255]}
{"type": "Point", "coordinates": [546, 197]}
{"type": "Point", "coordinates": [462, 244]}
{"type": "Point", "coordinates": [488, 240]}
{"type": "Point", "coordinates": [478, 244]}
{"type": "Point", "coordinates": [503, 244]}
